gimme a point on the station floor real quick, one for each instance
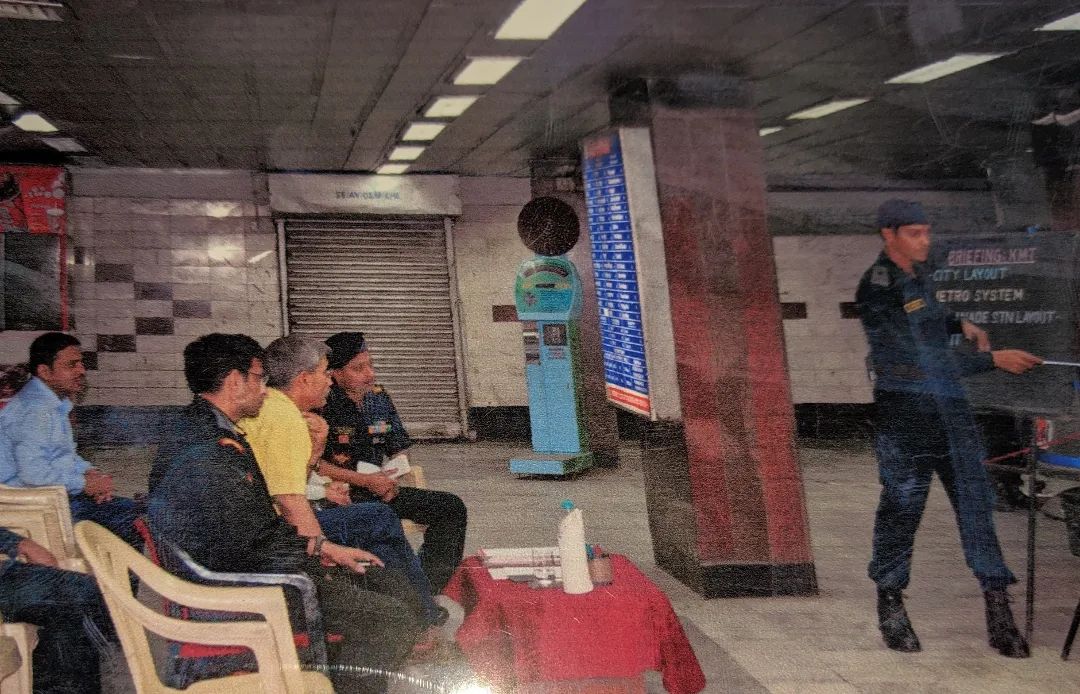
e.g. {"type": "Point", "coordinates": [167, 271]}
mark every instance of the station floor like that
{"type": "Point", "coordinates": [823, 644]}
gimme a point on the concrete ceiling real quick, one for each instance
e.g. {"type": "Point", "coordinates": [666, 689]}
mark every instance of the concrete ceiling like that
{"type": "Point", "coordinates": [328, 85]}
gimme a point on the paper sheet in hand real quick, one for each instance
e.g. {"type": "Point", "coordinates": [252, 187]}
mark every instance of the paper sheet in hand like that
{"type": "Point", "coordinates": [386, 469]}
{"type": "Point", "coordinates": [396, 466]}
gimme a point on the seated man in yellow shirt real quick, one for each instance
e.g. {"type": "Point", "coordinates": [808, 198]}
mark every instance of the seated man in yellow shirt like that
{"type": "Point", "coordinates": [279, 436]}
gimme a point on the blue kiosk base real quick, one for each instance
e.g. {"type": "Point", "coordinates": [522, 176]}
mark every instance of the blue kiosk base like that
{"type": "Point", "coordinates": [554, 465]}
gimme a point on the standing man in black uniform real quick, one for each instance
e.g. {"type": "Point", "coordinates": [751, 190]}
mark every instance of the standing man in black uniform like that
{"type": "Point", "coordinates": [925, 424]}
{"type": "Point", "coordinates": [365, 428]}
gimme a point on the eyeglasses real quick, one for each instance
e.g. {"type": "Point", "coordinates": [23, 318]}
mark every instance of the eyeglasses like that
{"type": "Point", "coordinates": [261, 375]}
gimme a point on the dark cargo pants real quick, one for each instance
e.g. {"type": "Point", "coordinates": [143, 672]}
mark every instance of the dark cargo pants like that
{"type": "Point", "coordinates": [918, 435]}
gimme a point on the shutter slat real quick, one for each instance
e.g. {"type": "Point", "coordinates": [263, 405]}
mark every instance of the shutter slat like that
{"type": "Point", "coordinates": [389, 278]}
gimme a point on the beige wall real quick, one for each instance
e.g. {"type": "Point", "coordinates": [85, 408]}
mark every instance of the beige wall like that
{"type": "Point", "coordinates": [487, 252]}
{"type": "Point", "coordinates": [826, 353]}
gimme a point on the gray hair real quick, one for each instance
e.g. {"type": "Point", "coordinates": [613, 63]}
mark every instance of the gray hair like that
{"type": "Point", "coordinates": [288, 357]}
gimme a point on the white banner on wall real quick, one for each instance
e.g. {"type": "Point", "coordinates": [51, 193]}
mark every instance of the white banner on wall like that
{"type": "Point", "coordinates": [345, 194]}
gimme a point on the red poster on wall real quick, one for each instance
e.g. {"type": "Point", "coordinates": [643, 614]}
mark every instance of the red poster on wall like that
{"type": "Point", "coordinates": [33, 199]}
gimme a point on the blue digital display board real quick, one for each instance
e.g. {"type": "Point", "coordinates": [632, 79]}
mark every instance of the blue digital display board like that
{"type": "Point", "coordinates": [615, 267]}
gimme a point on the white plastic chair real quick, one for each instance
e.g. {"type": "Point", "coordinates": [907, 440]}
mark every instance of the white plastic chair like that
{"type": "Point", "coordinates": [269, 638]}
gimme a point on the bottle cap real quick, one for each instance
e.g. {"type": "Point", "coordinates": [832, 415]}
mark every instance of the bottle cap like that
{"type": "Point", "coordinates": [568, 505]}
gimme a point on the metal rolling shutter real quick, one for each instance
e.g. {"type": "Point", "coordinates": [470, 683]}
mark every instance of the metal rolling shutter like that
{"type": "Point", "coordinates": [391, 279]}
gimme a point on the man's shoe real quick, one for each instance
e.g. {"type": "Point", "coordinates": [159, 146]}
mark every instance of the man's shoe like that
{"type": "Point", "coordinates": [893, 621]}
{"type": "Point", "coordinates": [1000, 627]}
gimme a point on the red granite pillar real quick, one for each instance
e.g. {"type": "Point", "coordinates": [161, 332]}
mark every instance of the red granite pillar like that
{"type": "Point", "coordinates": [736, 463]}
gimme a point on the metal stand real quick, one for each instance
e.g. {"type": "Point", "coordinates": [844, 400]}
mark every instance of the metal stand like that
{"type": "Point", "coordinates": [1033, 516]}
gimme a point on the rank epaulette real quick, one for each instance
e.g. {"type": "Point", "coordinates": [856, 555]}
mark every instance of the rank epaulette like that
{"type": "Point", "coordinates": [231, 443]}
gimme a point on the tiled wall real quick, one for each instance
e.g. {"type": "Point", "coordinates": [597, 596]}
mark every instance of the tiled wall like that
{"type": "Point", "coordinates": [161, 258]}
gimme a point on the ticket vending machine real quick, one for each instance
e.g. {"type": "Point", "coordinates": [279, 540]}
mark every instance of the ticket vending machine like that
{"type": "Point", "coordinates": [547, 292]}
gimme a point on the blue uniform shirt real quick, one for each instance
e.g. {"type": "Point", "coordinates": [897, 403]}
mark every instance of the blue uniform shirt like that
{"type": "Point", "coordinates": [363, 434]}
{"type": "Point", "coordinates": [910, 334]}
{"type": "Point", "coordinates": [37, 445]}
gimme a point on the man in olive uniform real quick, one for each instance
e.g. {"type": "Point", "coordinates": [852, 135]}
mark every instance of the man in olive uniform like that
{"type": "Point", "coordinates": [925, 424]}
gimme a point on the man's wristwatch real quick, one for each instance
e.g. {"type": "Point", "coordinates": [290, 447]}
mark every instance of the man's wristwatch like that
{"type": "Point", "coordinates": [316, 550]}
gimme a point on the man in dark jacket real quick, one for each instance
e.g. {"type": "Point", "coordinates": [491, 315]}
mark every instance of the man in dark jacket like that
{"type": "Point", "coordinates": [925, 424]}
{"type": "Point", "coordinates": [208, 496]}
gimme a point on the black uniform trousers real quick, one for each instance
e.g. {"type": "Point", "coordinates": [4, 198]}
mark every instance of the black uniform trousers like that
{"type": "Point", "coordinates": [444, 515]}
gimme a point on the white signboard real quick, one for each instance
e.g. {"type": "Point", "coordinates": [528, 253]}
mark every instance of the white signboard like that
{"type": "Point", "coordinates": [347, 194]}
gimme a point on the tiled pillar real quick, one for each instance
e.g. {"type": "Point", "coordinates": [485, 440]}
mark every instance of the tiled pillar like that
{"type": "Point", "coordinates": [724, 487]}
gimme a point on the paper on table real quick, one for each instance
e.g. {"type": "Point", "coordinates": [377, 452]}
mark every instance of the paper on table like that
{"type": "Point", "coordinates": [575, 565]}
{"type": "Point", "coordinates": [506, 572]}
{"type": "Point", "coordinates": [522, 562]}
{"type": "Point", "coordinates": [520, 556]}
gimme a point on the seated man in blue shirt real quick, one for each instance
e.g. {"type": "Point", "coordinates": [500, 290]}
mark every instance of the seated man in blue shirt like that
{"type": "Point", "coordinates": [37, 445]}
{"type": "Point", "coordinates": [67, 608]}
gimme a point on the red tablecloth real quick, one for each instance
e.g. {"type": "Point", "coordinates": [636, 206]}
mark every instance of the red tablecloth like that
{"type": "Point", "coordinates": [514, 634]}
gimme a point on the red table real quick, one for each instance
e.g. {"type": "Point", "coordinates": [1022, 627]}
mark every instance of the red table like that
{"type": "Point", "coordinates": [516, 635]}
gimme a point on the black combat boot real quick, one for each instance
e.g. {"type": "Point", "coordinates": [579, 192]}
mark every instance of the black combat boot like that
{"type": "Point", "coordinates": [1000, 627]}
{"type": "Point", "coordinates": [894, 623]}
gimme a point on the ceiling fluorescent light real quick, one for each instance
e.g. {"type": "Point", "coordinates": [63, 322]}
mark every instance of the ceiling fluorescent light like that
{"type": "Point", "coordinates": [535, 20]}
{"type": "Point", "coordinates": [131, 56]}
{"type": "Point", "coordinates": [768, 131]}
{"type": "Point", "coordinates": [488, 70]}
{"type": "Point", "coordinates": [933, 71]}
{"type": "Point", "coordinates": [825, 109]}
{"type": "Point", "coordinates": [392, 169]}
{"type": "Point", "coordinates": [1070, 23]}
{"type": "Point", "coordinates": [449, 106]}
{"type": "Point", "coordinates": [33, 122]}
{"type": "Point", "coordinates": [32, 9]}
{"type": "Point", "coordinates": [420, 131]}
{"type": "Point", "coordinates": [6, 100]}
{"type": "Point", "coordinates": [405, 153]}
{"type": "Point", "coordinates": [64, 144]}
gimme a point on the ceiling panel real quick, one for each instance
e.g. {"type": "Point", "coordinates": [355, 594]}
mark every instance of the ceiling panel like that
{"type": "Point", "coordinates": [328, 84]}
